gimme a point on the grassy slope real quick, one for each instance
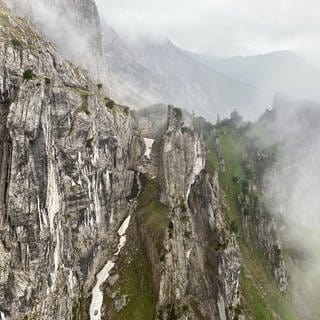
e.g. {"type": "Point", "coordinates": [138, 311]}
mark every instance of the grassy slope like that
{"type": "Point", "coordinates": [261, 298]}
{"type": "Point", "coordinates": [135, 282]}
{"type": "Point", "coordinates": [135, 277]}
{"type": "Point", "coordinates": [153, 214]}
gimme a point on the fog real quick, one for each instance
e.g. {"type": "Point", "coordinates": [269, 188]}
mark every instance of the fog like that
{"type": "Point", "coordinates": [230, 27]}
{"type": "Point", "coordinates": [218, 27]}
{"type": "Point", "coordinates": [224, 28]}
{"type": "Point", "coordinates": [292, 189]}
{"type": "Point", "coordinates": [78, 41]}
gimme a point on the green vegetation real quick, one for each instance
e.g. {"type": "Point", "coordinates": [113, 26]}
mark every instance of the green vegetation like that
{"type": "Point", "coordinates": [81, 92]}
{"type": "Point", "coordinates": [16, 33]}
{"type": "Point", "coordinates": [217, 245]}
{"type": "Point", "coordinates": [17, 44]}
{"type": "Point", "coordinates": [109, 103]}
{"type": "Point", "coordinates": [234, 151]}
{"type": "Point", "coordinates": [212, 162]}
{"type": "Point", "coordinates": [255, 304]}
{"type": "Point", "coordinates": [187, 130]}
{"type": "Point", "coordinates": [80, 309]}
{"type": "Point", "coordinates": [261, 299]}
{"type": "Point", "coordinates": [126, 110]}
{"type": "Point", "coordinates": [154, 214]}
{"type": "Point", "coordinates": [28, 75]}
{"type": "Point", "coordinates": [183, 206]}
{"type": "Point", "coordinates": [84, 95]}
{"type": "Point", "coordinates": [83, 109]}
{"type": "Point", "coordinates": [260, 292]}
{"type": "Point", "coordinates": [89, 143]}
{"type": "Point", "coordinates": [135, 282]}
{"type": "Point", "coordinates": [235, 154]}
{"type": "Point", "coordinates": [157, 145]}
{"type": "Point", "coordinates": [178, 112]}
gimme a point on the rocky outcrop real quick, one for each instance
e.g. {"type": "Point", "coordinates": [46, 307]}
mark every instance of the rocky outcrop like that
{"type": "Point", "coordinates": [74, 27]}
{"type": "Point", "coordinates": [259, 224]}
{"type": "Point", "coordinates": [65, 177]}
{"type": "Point", "coordinates": [91, 196]}
{"type": "Point", "coordinates": [199, 258]}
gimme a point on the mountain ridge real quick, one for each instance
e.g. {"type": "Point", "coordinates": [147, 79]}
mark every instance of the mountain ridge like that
{"type": "Point", "coordinates": [275, 72]}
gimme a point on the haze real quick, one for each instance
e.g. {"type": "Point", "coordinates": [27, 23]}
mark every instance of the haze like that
{"type": "Point", "coordinates": [222, 27]}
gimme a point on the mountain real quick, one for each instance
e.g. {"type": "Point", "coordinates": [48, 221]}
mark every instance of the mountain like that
{"type": "Point", "coordinates": [150, 72]}
{"type": "Point", "coordinates": [156, 214]}
{"type": "Point", "coordinates": [136, 85]}
{"type": "Point", "coordinates": [138, 74]}
{"type": "Point", "coordinates": [190, 84]}
{"type": "Point", "coordinates": [276, 72]}
{"type": "Point", "coordinates": [73, 25]}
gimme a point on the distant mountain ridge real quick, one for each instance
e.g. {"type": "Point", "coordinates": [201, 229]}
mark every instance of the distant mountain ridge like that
{"type": "Point", "coordinates": [192, 85]}
{"type": "Point", "coordinates": [276, 72]}
{"type": "Point", "coordinates": [149, 71]}
{"type": "Point", "coordinates": [160, 72]}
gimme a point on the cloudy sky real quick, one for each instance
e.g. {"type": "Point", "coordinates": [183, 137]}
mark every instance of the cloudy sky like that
{"type": "Point", "coordinates": [222, 27]}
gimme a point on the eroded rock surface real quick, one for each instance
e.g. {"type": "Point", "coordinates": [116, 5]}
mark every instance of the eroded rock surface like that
{"type": "Point", "coordinates": [65, 175]}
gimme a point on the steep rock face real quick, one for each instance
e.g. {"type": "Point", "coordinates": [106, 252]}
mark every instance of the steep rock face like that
{"type": "Point", "coordinates": [260, 229]}
{"type": "Point", "coordinates": [182, 159]}
{"type": "Point", "coordinates": [266, 229]}
{"type": "Point", "coordinates": [65, 22]}
{"type": "Point", "coordinates": [74, 27]}
{"type": "Point", "coordinates": [196, 263]}
{"type": "Point", "coordinates": [136, 85]}
{"type": "Point", "coordinates": [65, 160]}
{"type": "Point", "coordinates": [262, 226]}
{"type": "Point", "coordinates": [77, 182]}
{"type": "Point", "coordinates": [220, 253]}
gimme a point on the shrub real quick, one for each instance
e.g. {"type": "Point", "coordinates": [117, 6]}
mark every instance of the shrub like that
{"type": "Point", "coordinates": [16, 43]}
{"type": "Point", "coordinates": [183, 206]}
{"type": "Point", "coordinates": [89, 143]}
{"type": "Point", "coordinates": [28, 75]}
{"type": "Point", "coordinates": [109, 104]}
{"type": "Point", "coordinates": [178, 112]}
{"type": "Point", "coordinates": [234, 227]}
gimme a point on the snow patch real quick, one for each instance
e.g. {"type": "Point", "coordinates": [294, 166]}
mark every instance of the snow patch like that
{"type": "Point", "coordinates": [96, 198]}
{"type": "Point", "coordinates": [123, 229]}
{"type": "Point", "coordinates": [57, 253]}
{"type": "Point", "coordinates": [71, 281]}
{"type": "Point", "coordinates": [122, 242]}
{"type": "Point", "coordinates": [167, 147]}
{"type": "Point", "coordinates": [52, 197]}
{"type": "Point", "coordinates": [122, 233]}
{"type": "Point", "coordinates": [149, 143]}
{"type": "Point", "coordinates": [188, 254]}
{"type": "Point", "coordinates": [221, 308]}
{"type": "Point", "coordinates": [56, 258]}
{"type": "Point", "coordinates": [97, 295]}
{"type": "Point", "coordinates": [2, 316]}
{"type": "Point", "coordinates": [198, 164]}
{"type": "Point", "coordinates": [39, 212]}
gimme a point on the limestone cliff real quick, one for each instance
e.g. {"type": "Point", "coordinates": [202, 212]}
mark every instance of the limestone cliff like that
{"type": "Point", "coordinates": [196, 279]}
{"type": "Point", "coordinates": [106, 216]}
{"type": "Point", "coordinates": [66, 156]}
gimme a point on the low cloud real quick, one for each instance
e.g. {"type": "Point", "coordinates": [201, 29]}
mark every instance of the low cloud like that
{"type": "Point", "coordinates": [227, 27]}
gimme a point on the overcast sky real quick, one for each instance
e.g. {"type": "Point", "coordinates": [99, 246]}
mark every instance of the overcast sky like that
{"type": "Point", "coordinates": [222, 27]}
